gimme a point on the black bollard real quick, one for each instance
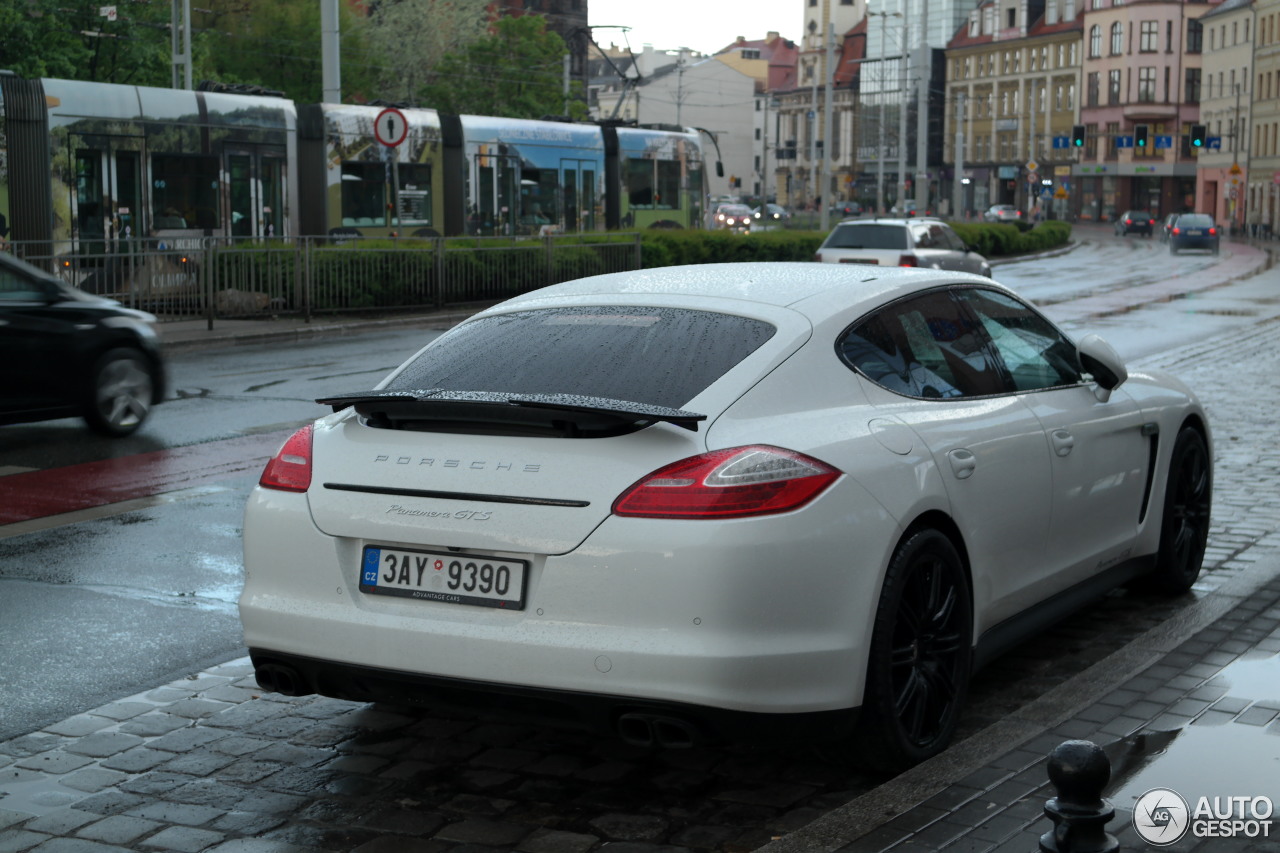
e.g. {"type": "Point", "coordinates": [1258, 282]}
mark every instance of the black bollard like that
{"type": "Point", "coordinates": [1079, 770]}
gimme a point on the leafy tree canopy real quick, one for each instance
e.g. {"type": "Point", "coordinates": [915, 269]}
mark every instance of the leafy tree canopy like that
{"type": "Point", "coordinates": [71, 39]}
{"type": "Point", "coordinates": [276, 44]}
{"type": "Point", "coordinates": [411, 37]}
{"type": "Point", "coordinates": [516, 72]}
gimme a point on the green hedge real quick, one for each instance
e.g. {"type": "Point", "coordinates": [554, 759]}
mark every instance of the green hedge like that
{"type": "Point", "coordinates": [672, 248]}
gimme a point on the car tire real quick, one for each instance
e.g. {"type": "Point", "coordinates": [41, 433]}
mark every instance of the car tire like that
{"type": "Point", "coordinates": [921, 654]}
{"type": "Point", "coordinates": [1184, 519]}
{"type": "Point", "coordinates": [119, 393]}
{"type": "Point", "coordinates": [1173, 250]}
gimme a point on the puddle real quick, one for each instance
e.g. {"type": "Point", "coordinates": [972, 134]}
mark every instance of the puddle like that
{"type": "Point", "coordinates": [1218, 770]}
{"type": "Point", "coordinates": [1199, 761]}
{"type": "Point", "coordinates": [1254, 676]}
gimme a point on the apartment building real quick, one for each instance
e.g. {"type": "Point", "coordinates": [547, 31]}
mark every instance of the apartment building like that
{"type": "Point", "coordinates": [1013, 84]}
{"type": "Point", "coordinates": [1142, 79]}
{"type": "Point", "coordinates": [1263, 199]}
{"type": "Point", "coordinates": [1226, 98]}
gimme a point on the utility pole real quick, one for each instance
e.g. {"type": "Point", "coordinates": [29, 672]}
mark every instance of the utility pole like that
{"type": "Point", "coordinates": [904, 70]}
{"type": "Point", "coordinates": [884, 69]}
{"type": "Point", "coordinates": [180, 42]}
{"type": "Point", "coordinates": [827, 110]}
{"type": "Point", "coordinates": [924, 71]}
{"type": "Point", "coordinates": [813, 133]}
{"type": "Point", "coordinates": [330, 54]}
{"type": "Point", "coordinates": [883, 95]}
{"type": "Point", "coordinates": [679, 87]}
{"type": "Point", "coordinates": [957, 193]}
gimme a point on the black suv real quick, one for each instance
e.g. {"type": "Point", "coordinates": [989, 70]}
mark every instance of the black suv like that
{"type": "Point", "coordinates": [66, 353]}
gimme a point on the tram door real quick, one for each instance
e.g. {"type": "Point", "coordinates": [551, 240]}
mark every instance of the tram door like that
{"type": "Point", "coordinates": [497, 195]}
{"type": "Point", "coordinates": [108, 186]}
{"type": "Point", "coordinates": [578, 180]}
{"type": "Point", "coordinates": [255, 192]}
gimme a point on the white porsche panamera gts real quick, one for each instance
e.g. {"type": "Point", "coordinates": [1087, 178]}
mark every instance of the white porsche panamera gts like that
{"type": "Point", "coordinates": [718, 502]}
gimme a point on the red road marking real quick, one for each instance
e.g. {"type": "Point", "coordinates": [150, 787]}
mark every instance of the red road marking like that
{"type": "Point", "coordinates": [37, 494]}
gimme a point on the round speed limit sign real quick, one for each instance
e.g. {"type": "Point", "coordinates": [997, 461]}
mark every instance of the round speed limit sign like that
{"type": "Point", "coordinates": [390, 127]}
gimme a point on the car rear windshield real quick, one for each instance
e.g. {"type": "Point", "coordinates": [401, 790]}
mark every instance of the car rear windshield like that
{"type": "Point", "coordinates": [868, 236]}
{"type": "Point", "coordinates": [1198, 220]}
{"type": "Point", "coordinates": [654, 355]}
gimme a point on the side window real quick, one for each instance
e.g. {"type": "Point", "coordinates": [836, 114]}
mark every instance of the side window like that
{"type": "Point", "coordinates": [950, 239]}
{"type": "Point", "coordinates": [922, 347]}
{"type": "Point", "coordinates": [1033, 351]}
{"type": "Point", "coordinates": [923, 237]}
{"type": "Point", "coordinates": [18, 288]}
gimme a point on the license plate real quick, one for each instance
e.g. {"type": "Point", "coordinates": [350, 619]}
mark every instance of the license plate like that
{"type": "Point", "coordinates": [443, 577]}
{"type": "Point", "coordinates": [871, 261]}
{"type": "Point", "coordinates": [1194, 233]}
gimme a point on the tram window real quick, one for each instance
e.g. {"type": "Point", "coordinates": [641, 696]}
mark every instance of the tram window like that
{"type": "Point", "coordinates": [184, 191]}
{"type": "Point", "coordinates": [364, 194]}
{"type": "Point", "coordinates": [640, 183]}
{"type": "Point", "coordinates": [668, 185]}
{"type": "Point", "coordinates": [415, 194]}
{"type": "Point", "coordinates": [539, 189]}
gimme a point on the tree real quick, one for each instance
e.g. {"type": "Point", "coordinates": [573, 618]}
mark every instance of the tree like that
{"type": "Point", "coordinates": [35, 42]}
{"type": "Point", "coordinates": [412, 36]}
{"type": "Point", "coordinates": [276, 45]}
{"type": "Point", "coordinates": [72, 39]}
{"type": "Point", "coordinates": [516, 72]}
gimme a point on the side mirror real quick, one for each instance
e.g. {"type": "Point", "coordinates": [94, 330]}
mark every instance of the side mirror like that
{"type": "Point", "coordinates": [1103, 363]}
{"type": "Point", "coordinates": [719, 169]}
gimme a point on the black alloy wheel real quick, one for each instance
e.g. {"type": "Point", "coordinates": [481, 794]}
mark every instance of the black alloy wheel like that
{"type": "Point", "coordinates": [921, 654]}
{"type": "Point", "coordinates": [1184, 523]}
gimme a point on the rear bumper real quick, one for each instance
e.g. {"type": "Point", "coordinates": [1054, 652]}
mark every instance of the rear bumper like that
{"type": "Point", "coordinates": [642, 722]}
{"type": "Point", "coordinates": [752, 617]}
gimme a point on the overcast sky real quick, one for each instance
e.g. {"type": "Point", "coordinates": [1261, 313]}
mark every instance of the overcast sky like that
{"type": "Point", "coordinates": [700, 25]}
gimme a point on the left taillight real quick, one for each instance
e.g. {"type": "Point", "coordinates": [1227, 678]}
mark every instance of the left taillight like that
{"type": "Point", "coordinates": [290, 469]}
{"type": "Point", "coordinates": [734, 483]}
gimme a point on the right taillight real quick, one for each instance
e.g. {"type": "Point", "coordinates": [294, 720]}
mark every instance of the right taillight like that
{"type": "Point", "coordinates": [908, 261]}
{"type": "Point", "coordinates": [290, 469]}
{"type": "Point", "coordinates": [732, 483]}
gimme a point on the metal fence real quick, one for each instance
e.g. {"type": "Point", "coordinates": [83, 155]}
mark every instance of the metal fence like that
{"type": "Point", "coordinates": [181, 278]}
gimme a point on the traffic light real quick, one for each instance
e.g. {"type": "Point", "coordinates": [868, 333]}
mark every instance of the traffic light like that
{"type": "Point", "coordinates": [1197, 135]}
{"type": "Point", "coordinates": [1140, 134]}
{"type": "Point", "coordinates": [1077, 136]}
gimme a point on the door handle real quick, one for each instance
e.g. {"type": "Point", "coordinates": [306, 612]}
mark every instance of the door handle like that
{"type": "Point", "coordinates": [963, 463]}
{"type": "Point", "coordinates": [1063, 442]}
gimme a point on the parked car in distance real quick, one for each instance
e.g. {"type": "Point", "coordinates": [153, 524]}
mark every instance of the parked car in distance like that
{"type": "Point", "coordinates": [610, 480]}
{"type": "Point", "coordinates": [771, 214]}
{"type": "Point", "coordinates": [1194, 231]}
{"type": "Point", "coordinates": [1136, 222]}
{"type": "Point", "coordinates": [907, 207]}
{"type": "Point", "coordinates": [1167, 226]}
{"type": "Point", "coordinates": [846, 209]}
{"type": "Point", "coordinates": [1002, 213]}
{"type": "Point", "coordinates": [66, 353]}
{"type": "Point", "coordinates": [732, 217]}
{"type": "Point", "coordinates": [902, 243]}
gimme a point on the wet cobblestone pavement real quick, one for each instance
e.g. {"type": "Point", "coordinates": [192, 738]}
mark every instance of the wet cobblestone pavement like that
{"type": "Point", "coordinates": [209, 763]}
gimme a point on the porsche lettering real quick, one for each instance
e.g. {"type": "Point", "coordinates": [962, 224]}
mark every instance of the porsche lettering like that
{"type": "Point", "coordinates": [474, 465]}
